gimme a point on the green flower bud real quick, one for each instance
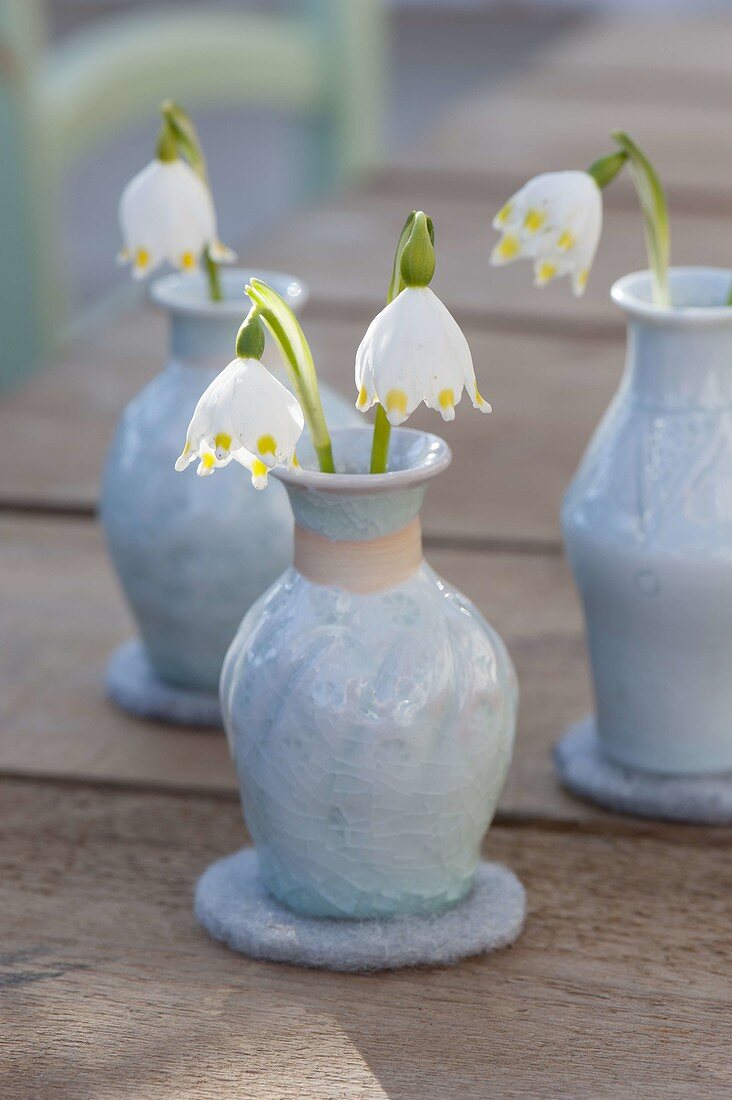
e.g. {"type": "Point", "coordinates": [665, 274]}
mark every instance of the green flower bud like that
{"type": "Point", "coordinates": [250, 338]}
{"type": "Point", "coordinates": [167, 147]}
{"type": "Point", "coordinates": [417, 264]}
{"type": "Point", "coordinates": [604, 170]}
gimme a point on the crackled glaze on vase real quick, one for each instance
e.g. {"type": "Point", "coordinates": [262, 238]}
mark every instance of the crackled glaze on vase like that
{"type": "Point", "coordinates": [648, 527]}
{"type": "Point", "coordinates": [371, 731]}
{"type": "Point", "coordinates": [192, 554]}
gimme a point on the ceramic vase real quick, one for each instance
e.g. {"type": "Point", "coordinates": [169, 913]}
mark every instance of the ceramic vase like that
{"type": "Point", "coordinates": [647, 523]}
{"type": "Point", "coordinates": [370, 708]}
{"type": "Point", "coordinates": [193, 554]}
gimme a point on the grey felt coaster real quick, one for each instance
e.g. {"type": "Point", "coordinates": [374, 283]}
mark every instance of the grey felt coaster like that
{"type": "Point", "coordinates": [233, 906]}
{"type": "Point", "coordinates": [134, 686]}
{"type": "Point", "coordinates": [582, 769]}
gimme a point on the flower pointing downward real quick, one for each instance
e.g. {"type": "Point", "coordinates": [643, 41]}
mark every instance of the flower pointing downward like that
{"type": "Point", "coordinates": [414, 351]}
{"type": "Point", "coordinates": [245, 415]}
{"type": "Point", "coordinates": [166, 213]}
{"type": "Point", "coordinates": [554, 220]}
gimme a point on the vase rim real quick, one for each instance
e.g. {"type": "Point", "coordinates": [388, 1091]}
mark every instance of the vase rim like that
{"type": "Point", "coordinates": [187, 294]}
{"type": "Point", "coordinates": [704, 288]}
{"type": "Point", "coordinates": [427, 456]}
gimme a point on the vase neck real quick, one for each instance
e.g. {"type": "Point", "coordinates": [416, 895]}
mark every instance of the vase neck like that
{"type": "Point", "coordinates": [202, 341]}
{"type": "Point", "coordinates": [361, 566]}
{"type": "Point", "coordinates": [680, 366]}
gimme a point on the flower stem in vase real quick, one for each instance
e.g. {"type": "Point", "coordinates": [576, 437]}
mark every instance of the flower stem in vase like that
{"type": "Point", "coordinates": [298, 359]}
{"type": "Point", "coordinates": [655, 216]}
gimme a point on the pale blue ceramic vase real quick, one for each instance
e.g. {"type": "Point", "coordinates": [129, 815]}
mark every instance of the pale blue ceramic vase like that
{"type": "Point", "coordinates": [648, 527]}
{"type": "Point", "coordinates": [369, 706]}
{"type": "Point", "coordinates": [193, 554]}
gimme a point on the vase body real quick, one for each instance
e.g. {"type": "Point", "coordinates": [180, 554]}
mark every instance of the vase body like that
{"type": "Point", "coordinates": [370, 708]}
{"type": "Point", "coordinates": [193, 554]}
{"type": "Point", "coordinates": [647, 523]}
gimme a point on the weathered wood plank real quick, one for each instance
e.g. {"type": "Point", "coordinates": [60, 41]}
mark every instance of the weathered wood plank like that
{"type": "Point", "coordinates": [62, 617]}
{"type": "Point", "coordinates": [616, 988]}
{"type": "Point", "coordinates": [549, 119]}
{"type": "Point", "coordinates": [677, 51]}
{"type": "Point", "coordinates": [509, 472]}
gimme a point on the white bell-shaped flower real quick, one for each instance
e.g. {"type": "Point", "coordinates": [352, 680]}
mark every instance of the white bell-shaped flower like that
{"type": "Point", "coordinates": [246, 414]}
{"type": "Point", "coordinates": [415, 351]}
{"type": "Point", "coordinates": [554, 220]}
{"type": "Point", "coordinates": [166, 213]}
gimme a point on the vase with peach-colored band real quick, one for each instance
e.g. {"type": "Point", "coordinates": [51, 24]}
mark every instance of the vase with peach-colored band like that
{"type": "Point", "coordinates": [370, 708]}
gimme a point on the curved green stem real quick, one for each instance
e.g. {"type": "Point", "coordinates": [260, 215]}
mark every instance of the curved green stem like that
{"type": "Point", "coordinates": [655, 216]}
{"type": "Point", "coordinates": [285, 328]}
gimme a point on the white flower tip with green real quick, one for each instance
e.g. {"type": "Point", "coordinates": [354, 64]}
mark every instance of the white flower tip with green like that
{"type": "Point", "coordinates": [554, 220]}
{"type": "Point", "coordinates": [414, 351]}
{"type": "Point", "coordinates": [166, 212]}
{"type": "Point", "coordinates": [246, 415]}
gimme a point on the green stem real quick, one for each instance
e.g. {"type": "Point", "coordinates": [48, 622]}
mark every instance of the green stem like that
{"type": "Point", "coordinates": [285, 328]}
{"type": "Point", "coordinates": [214, 277]}
{"type": "Point", "coordinates": [380, 443]}
{"type": "Point", "coordinates": [382, 427]}
{"type": "Point", "coordinates": [655, 216]}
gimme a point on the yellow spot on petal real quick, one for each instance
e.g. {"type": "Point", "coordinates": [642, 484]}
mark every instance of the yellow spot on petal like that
{"type": "Point", "coordinates": [508, 247]}
{"type": "Point", "coordinates": [267, 445]}
{"type": "Point", "coordinates": [295, 462]}
{"type": "Point", "coordinates": [258, 468]}
{"type": "Point", "coordinates": [188, 261]}
{"type": "Point", "coordinates": [142, 258]}
{"type": "Point", "coordinates": [504, 213]}
{"type": "Point", "coordinates": [546, 272]}
{"type": "Point", "coordinates": [363, 398]}
{"type": "Point", "coordinates": [446, 398]}
{"type": "Point", "coordinates": [222, 441]}
{"type": "Point", "coordinates": [396, 401]}
{"type": "Point", "coordinates": [534, 220]}
{"type": "Point", "coordinates": [582, 278]}
{"type": "Point", "coordinates": [566, 241]}
{"type": "Point", "coordinates": [208, 461]}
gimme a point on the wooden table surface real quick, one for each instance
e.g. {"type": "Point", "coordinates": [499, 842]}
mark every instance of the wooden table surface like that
{"type": "Point", "coordinates": [620, 984]}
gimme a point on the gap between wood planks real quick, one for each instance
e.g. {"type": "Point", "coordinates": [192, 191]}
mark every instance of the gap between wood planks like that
{"type": "Point", "coordinates": [467, 543]}
{"type": "Point", "coordinates": [702, 836]}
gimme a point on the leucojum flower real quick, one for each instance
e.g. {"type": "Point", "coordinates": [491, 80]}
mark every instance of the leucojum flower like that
{"type": "Point", "coordinates": [555, 220]}
{"type": "Point", "coordinates": [166, 211]}
{"type": "Point", "coordinates": [245, 415]}
{"type": "Point", "coordinates": [414, 350]}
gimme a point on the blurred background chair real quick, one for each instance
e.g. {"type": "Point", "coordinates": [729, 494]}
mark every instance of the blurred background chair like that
{"type": "Point", "coordinates": [320, 60]}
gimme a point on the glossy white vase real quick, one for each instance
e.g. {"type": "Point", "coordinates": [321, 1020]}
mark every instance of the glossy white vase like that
{"type": "Point", "coordinates": [369, 706]}
{"type": "Point", "coordinates": [648, 527]}
{"type": "Point", "coordinates": [193, 554]}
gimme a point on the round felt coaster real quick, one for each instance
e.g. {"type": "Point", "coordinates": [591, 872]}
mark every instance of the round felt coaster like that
{"type": "Point", "coordinates": [233, 906]}
{"type": "Point", "coordinates": [134, 686]}
{"type": "Point", "coordinates": [582, 769]}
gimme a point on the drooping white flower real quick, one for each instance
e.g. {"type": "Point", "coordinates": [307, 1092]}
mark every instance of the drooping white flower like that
{"type": "Point", "coordinates": [245, 415]}
{"type": "Point", "coordinates": [415, 351]}
{"type": "Point", "coordinates": [554, 220]}
{"type": "Point", "coordinates": [166, 213]}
